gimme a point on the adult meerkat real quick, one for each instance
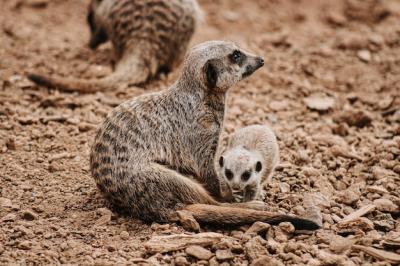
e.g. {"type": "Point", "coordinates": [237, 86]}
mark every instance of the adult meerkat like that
{"type": "Point", "coordinates": [148, 36]}
{"type": "Point", "coordinates": [249, 160]}
{"type": "Point", "coordinates": [146, 145]}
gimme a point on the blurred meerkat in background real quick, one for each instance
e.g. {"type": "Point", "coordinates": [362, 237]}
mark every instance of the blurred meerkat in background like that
{"type": "Point", "coordinates": [148, 37]}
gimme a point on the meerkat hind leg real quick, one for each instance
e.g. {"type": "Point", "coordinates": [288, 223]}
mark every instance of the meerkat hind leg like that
{"type": "Point", "coordinates": [154, 193]}
{"type": "Point", "coordinates": [187, 221]}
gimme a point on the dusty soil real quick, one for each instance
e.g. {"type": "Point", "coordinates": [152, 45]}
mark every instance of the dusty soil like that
{"type": "Point", "coordinates": [330, 90]}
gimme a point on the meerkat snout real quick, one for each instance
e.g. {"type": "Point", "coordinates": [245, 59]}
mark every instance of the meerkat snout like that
{"type": "Point", "coordinates": [254, 64]}
{"type": "Point", "coordinates": [225, 65]}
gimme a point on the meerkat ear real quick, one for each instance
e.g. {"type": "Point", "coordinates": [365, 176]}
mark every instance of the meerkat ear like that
{"type": "Point", "coordinates": [90, 18]}
{"type": "Point", "coordinates": [221, 161]}
{"type": "Point", "coordinates": [211, 74]}
{"type": "Point", "coordinates": [258, 166]}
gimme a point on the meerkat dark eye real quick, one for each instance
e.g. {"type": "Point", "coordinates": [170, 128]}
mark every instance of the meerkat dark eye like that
{"type": "Point", "coordinates": [236, 57]}
{"type": "Point", "coordinates": [228, 174]}
{"type": "Point", "coordinates": [246, 175]}
{"type": "Point", "coordinates": [258, 166]}
{"type": "Point", "coordinates": [221, 161]}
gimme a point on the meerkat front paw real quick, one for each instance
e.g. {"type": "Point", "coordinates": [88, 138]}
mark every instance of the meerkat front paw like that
{"type": "Point", "coordinates": [238, 197]}
{"type": "Point", "coordinates": [250, 193]}
{"type": "Point", "coordinates": [227, 194]}
{"type": "Point", "coordinates": [262, 195]}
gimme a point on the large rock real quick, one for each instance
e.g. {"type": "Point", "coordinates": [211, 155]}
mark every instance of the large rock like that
{"type": "Point", "coordinates": [258, 228]}
{"type": "Point", "coordinates": [224, 255]}
{"type": "Point", "coordinates": [255, 248]}
{"type": "Point", "coordinates": [198, 252]}
{"type": "Point", "coordinates": [385, 205]}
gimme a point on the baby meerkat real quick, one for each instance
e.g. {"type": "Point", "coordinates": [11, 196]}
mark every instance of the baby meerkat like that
{"type": "Point", "coordinates": [249, 161]}
{"type": "Point", "coordinates": [148, 37]}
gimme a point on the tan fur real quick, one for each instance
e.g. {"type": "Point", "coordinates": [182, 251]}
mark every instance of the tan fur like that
{"type": "Point", "coordinates": [147, 148]}
{"type": "Point", "coordinates": [148, 36]}
{"type": "Point", "coordinates": [249, 146]}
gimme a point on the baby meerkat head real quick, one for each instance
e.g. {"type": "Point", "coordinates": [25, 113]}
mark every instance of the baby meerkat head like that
{"type": "Point", "coordinates": [240, 167]}
{"type": "Point", "coordinates": [98, 34]}
{"type": "Point", "coordinates": [219, 65]}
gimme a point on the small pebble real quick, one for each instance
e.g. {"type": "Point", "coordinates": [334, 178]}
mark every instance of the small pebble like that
{"type": "Point", "coordinates": [364, 55]}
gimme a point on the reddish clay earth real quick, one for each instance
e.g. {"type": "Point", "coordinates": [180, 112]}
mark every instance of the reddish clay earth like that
{"type": "Point", "coordinates": [330, 90]}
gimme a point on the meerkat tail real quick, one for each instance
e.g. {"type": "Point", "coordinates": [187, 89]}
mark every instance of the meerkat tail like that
{"type": "Point", "coordinates": [224, 215]}
{"type": "Point", "coordinates": [67, 84]}
{"type": "Point", "coordinates": [91, 85]}
{"type": "Point", "coordinates": [130, 71]}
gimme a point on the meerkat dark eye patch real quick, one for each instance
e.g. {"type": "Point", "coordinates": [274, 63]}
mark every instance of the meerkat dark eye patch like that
{"type": "Point", "coordinates": [211, 74]}
{"type": "Point", "coordinates": [258, 166]}
{"type": "Point", "coordinates": [221, 161]}
{"type": "Point", "coordinates": [246, 175]}
{"type": "Point", "coordinates": [228, 174]}
{"type": "Point", "coordinates": [237, 57]}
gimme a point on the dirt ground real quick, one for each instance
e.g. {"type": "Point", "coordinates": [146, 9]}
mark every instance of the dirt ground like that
{"type": "Point", "coordinates": [330, 90]}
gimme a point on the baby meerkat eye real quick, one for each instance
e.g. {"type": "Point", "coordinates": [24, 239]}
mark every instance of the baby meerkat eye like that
{"type": "Point", "coordinates": [228, 174]}
{"type": "Point", "coordinates": [221, 161]}
{"type": "Point", "coordinates": [236, 57]}
{"type": "Point", "coordinates": [246, 175]}
{"type": "Point", "coordinates": [258, 166]}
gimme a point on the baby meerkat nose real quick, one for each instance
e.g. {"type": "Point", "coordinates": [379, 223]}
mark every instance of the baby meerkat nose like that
{"type": "Point", "coordinates": [235, 186]}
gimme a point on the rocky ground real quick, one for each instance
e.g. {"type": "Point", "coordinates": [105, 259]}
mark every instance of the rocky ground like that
{"type": "Point", "coordinates": [330, 90]}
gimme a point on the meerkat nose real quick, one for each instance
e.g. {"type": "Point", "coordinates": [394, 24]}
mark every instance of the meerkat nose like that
{"type": "Point", "coordinates": [260, 61]}
{"type": "Point", "coordinates": [236, 186]}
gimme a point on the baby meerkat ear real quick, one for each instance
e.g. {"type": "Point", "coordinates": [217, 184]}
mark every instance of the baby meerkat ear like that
{"type": "Point", "coordinates": [258, 166]}
{"type": "Point", "coordinates": [221, 161]}
{"type": "Point", "coordinates": [211, 74]}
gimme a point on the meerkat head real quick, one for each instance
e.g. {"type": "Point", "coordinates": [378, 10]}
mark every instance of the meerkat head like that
{"type": "Point", "coordinates": [218, 65]}
{"type": "Point", "coordinates": [98, 34]}
{"type": "Point", "coordinates": [240, 167]}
